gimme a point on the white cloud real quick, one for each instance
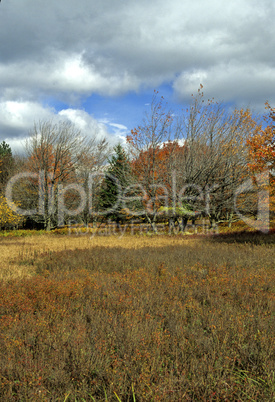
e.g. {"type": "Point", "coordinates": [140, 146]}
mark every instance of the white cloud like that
{"type": "Point", "coordinates": [119, 132]}
{"type": "Point", "coordinates": [64, 76]}
{"type": "Point", "coordinates": [17, 120]}
{"type": "Point", "coordinates": [19, 115]}
{"type": "Point", "coordinates": [119, 127]}
{"type": "Point", "coordinates": [67, 51]}
{"type": "Point", "coordinates": [74, 74]}
{"type": "Point", "coordinates": [85, 123]}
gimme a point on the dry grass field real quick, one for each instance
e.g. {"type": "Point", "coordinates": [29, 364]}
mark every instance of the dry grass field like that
{"type": "Point", "coordinates": [137, 318]}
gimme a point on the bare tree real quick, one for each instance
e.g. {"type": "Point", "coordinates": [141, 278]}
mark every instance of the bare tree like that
{"type": "Point", "coordinates": [90, 175]}
{"type": "Point", "coordinates": [56, 151]}
{"type": "Point", "coordinates": [214, 162]}
{"type": "Point", "coordinates": [199, 173]}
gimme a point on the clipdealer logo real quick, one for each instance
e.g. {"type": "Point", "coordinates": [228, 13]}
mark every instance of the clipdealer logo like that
{"type": "Point", "coordinates": [57, 200]}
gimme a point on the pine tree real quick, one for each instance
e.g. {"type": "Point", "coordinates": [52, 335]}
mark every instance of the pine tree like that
{"type": "Point", "coordinates": [5, 149]}
{"type": "Point", "coordinates": [6, 164]}
{"type": "Point", "coordinates": [117, 178]}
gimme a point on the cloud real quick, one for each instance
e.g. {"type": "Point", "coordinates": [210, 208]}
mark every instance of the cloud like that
{"type": "Point", "coordinates": [248, 86]}
{"type": "Point", "coordinates": [64, 76]}
{"type": "Point", "coordinates": [17, 117]}
{"type": "Point", "coordinates": [119, 131]}
{"type": "Point", "coordinates": [67, 51]}
{"type": "Point", "coordinates": [17, 121]}
{"type": "Point", "coordinates": [87, 124]}
{"type": "Point", "coordinates": [112, 132]}
{"type": "Point", "coordinates": [111, 48]}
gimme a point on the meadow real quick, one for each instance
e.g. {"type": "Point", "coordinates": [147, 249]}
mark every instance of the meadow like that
{"type": "Point", "coordinates": [137, 317]}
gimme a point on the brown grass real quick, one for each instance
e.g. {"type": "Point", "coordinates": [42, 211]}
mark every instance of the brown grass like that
{"type": "Point", "coordinates": [17, 255]}
{"type": "Point", "coordinates": [161, 318]}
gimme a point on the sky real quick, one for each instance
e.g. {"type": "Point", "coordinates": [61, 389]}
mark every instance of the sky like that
{"type": "Point", "coordinates": [97, 63]}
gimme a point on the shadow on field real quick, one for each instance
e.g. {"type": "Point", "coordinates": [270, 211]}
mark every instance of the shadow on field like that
{"type": "Point", "coordinates": [245, 237]}
{"type": "Point", "coordinates": [201, 253]}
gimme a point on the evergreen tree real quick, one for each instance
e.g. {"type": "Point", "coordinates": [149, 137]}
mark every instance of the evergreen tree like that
{"type": "Point", "coordinates": [117, 178]}
{"type": "Point", "coordinates": [5, 149]}
{"type": "Point", "coordinates": [6, 164]}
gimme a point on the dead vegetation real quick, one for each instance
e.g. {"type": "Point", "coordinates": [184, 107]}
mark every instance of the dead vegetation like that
{"type": "Point", "coordinates": [137, 318]}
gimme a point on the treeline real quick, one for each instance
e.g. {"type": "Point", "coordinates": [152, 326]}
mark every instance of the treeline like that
{"type": "Point", "coordinates": [207, 162]}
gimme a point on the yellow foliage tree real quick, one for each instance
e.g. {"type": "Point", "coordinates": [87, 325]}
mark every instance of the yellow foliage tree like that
{"type": "Point", "coordinates": [8, 218]}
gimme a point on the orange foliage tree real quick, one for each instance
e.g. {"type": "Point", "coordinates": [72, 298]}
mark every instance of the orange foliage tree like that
{"type": "Point", "coordinates": [152, 144]}
{"type": "Point", "coordinates": [261, 144]}
{"type": "Point", "coordinates": [154, 168]}
{"type": "Point", "coordinates": [261, 149]}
